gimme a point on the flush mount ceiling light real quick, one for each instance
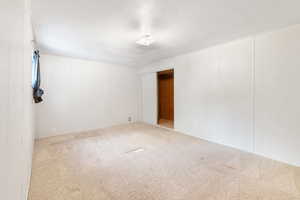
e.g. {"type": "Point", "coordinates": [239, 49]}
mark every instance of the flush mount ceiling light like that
{"type": "Point", "coordinates": [146, 40]}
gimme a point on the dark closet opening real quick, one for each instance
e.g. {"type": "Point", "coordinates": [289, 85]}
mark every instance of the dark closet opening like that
{"type": "Point", "coordinates": [165, 86]}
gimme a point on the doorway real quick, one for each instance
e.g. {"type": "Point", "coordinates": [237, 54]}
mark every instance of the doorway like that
{"type": "Point", "coordinates": [165, 93]}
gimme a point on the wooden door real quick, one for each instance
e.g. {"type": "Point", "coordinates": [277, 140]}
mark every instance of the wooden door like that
{"type": "Point", "coordinates": [166, 95]}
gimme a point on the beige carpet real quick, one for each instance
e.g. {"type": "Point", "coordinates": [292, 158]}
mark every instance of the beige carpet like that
{"type": "Point", "coordinates": [141, 162]}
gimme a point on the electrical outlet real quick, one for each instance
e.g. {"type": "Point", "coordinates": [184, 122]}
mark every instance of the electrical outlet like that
{"type": "Point", "coordinates": [129, 119]}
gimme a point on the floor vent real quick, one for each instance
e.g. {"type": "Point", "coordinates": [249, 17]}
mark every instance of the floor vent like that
{"type": "Point", "coordinates": [136, 150]}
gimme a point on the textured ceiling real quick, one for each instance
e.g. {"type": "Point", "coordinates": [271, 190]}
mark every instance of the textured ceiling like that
{"type": "Point", "coordinates": [106, 30]}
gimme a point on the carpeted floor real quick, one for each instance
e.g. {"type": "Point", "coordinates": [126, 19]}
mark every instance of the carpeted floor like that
{"type": "Point", "coordinates": [142, 162]}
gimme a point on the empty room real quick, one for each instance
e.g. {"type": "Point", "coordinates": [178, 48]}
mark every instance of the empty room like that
{"type": "Point", "coordinates": [149, 100]}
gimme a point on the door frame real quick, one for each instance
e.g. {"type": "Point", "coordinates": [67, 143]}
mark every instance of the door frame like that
{"type": "Point", "coordinates": [158, 73]}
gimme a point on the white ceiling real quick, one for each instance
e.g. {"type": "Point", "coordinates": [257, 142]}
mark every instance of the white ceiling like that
{"type": "Point", "coordinates": [106, 30]}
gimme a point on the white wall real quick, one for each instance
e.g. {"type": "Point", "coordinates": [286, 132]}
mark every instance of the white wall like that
{"type": "Point", "coordinates": [16, 108]}
{"type": "Point", "coordinates": [84, 95]}
{"type": "Point", "coordinates": [277, 95]}
{"type": "Point", "coordinates": [242, 94]}
{"type": "Point", "coordinates": [213, 93]}
{"type": "Point", "coordinates": [149, 98]}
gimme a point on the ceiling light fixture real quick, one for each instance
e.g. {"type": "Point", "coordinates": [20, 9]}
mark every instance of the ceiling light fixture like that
{"type": "Point", "coordinates": [146, 40]}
